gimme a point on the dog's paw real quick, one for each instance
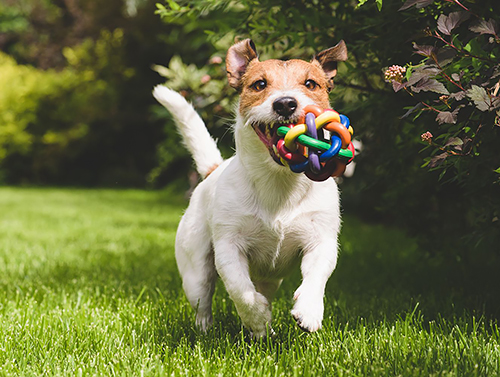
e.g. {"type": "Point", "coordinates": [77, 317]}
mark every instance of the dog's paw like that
{"type": "Point", "coordinates": [204, 322]}
{"type": "Point", "coordinates": [255, 313]}
{"type": "Point", "coordinates": [258, 335]}
{"type": "Point", "coordinates": [308, 311]}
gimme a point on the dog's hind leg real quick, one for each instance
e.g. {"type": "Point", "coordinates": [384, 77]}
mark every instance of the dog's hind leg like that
{"type": "Point", "coordinates": [195, 261]}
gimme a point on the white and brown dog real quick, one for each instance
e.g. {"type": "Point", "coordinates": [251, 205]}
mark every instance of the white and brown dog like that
{"type": "Point", "coordinates": [251, 219]}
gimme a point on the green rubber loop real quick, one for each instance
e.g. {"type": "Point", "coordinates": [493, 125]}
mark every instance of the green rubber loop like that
{"type": "Point", "coordinates": [314, 143]}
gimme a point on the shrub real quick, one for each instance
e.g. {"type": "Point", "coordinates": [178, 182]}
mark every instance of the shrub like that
{"type": "Point", "coordinates": [454, 211]}
{"type": "Point", "coordinates": [46, 119]}
{"type": "Point", "coordinates": [92, 125]}
{"type": "Point", "coordinates": [455, 87]}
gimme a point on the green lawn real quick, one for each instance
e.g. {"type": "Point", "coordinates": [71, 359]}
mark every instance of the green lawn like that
{"type": "Point", "coordinates": [89, 286]}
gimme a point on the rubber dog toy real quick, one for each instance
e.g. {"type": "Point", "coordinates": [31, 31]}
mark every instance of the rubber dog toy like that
{"type": "Point", "coordinates": [300, 148]}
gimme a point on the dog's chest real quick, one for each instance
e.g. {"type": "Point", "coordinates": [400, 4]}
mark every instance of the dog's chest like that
{"type": "Point", "coordinates": [272, 247]}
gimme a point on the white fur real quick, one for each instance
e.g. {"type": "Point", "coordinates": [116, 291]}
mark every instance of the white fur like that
{"type": "Point", "coordinates": [192, 129]}
{"type": "Point", "coordinates": [264, 112]}
{"type": "Point", "coordinates": [250, 222]}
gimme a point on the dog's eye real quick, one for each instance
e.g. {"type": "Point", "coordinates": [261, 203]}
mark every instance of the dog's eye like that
{"type": "Point", "coordinates": [259, 85]}
{"type": "Point", "coordinates": [311, 84]}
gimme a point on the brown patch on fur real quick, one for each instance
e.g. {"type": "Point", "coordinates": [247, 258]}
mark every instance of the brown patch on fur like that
{"type": "Point", "coordinates": [283, 75]}
{"type": "Point", "coordinates": [328, 59]}
{"type": "Point", "coordinates": [211, 170]}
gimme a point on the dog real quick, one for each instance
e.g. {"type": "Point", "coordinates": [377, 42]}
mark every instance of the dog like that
{"type": "Point", "coordinates": [251, 220]}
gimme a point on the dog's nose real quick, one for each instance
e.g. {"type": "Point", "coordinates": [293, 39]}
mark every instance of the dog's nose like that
{"type": "Point", "coordinates": [285, 106]}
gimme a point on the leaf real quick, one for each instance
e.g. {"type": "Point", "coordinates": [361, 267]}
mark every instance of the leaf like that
{"type": "Point", "coordinates": [496, 72]}
{"type": "Point", "coordinates": [437, 160]}
{"type": "Point", "coordinates": [467, 147]}
{"type": "Point", "coordinates": [485, 27]}
{"type": "Point", "coordinates": [427, 84]}
{"type": "Point", "coordinates": [424, 50]}
{"type": "Point", "coordinates": [446, 117]}
{"type": "Point", "coordinates": [454, 142]}
{"type": "Point", "coordinates": [420, 73]}
{"type": "Point", "coordinates": [418, 3]}
{"type": "Point", "coordinates": [458, 96]}
{"type": "Point", "coordinates": [481, 98]}
{"type": "Point", "coordinates": [418, 106]}
{"type": "Point", "coordinates": [445, 56]}
{"type": "Point", "coordinates": [173, 5]}
{"type": "Point", "coordinates": [446, 24]}
{"type": "Point", "coordinates": [397, 86]}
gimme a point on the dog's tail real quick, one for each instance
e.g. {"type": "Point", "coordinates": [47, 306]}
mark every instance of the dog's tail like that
{"type": "Point", "coordinates": [194, 133]}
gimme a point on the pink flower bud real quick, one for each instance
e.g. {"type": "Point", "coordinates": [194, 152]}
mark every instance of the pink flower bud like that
{"type": "Point", "coordinates": [426, 137]}
{"type": "Point", "coordinates": [205, 79]}
{"type": "Point", "coordinates": [216, 60]}
{"type": "Point", "coordinates": [394, 73]}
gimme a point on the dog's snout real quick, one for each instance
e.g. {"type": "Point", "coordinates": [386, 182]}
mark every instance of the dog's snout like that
{"type": "Point", "coordinates": [285, 106]}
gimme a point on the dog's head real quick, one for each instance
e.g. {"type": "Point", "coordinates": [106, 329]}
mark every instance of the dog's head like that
{"type": "Point", "coordinates": [275, 92]}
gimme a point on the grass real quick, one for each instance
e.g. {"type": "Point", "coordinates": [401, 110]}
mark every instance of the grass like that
{"type": "Point", "coordinates": [89, 287]}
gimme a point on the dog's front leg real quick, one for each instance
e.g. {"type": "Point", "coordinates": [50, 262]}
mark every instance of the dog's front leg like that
{"type": "Point", "coordinates": [317, 265]}
{"type": "Point", "coordinates": [253, 307]}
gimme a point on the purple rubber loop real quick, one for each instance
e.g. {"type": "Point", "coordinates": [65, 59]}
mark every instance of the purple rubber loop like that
{"type": "Point", "coordinates": [313, 132]}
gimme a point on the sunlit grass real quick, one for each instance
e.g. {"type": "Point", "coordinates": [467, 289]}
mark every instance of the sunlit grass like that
{"type": "Point", "coordinates": [89, 286]}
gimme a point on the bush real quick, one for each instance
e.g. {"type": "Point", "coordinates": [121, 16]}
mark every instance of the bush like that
{"type": "Point", "coordinates": [389, 185]}
{"type": "Point", "coordinates": [457, 83]}
{"type": "Point", "coordinates": [47, 118]}
{"type": "Point", "coordinates": [92, 125]}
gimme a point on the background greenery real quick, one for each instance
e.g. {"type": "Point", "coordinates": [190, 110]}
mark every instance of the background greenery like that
{"type": "Point", "coordinates": [457, 192]}
{"type": "Point", "coordinates": [76, 107]}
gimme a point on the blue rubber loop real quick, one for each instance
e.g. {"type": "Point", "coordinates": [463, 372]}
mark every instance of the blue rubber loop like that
{"type": "Point", "coordinates": [333, 150]}
{"type": "Point", "coordinates": [300, 167]}
{"type": "Point", "coordinates": [345, 121]}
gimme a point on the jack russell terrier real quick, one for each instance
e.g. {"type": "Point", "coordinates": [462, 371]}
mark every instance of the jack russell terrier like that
{"type": "Point", "coordinates": [251, 220]}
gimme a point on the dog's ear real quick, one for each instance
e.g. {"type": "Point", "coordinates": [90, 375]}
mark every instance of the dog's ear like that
{"type": "Point", "coordinates": [328, 60]}
{"type": "Point", "coordinates": [237, 59]}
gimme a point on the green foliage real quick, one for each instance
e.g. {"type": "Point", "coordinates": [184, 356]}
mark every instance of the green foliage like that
{"type": "Point", "coordinates": [207, 90]}
{"type": "Point", "coordinates": [205, 87]}
{"type": "Point", "coordinates": [90, 287]}
{"type": "Point", "coordinates": [457, 82]}
{"type": "Point", "coordinates": [464, 69]}
{"type": "Point", "coordinates": [47, 116]}
{"type": "Point", "coordinates": [446, 212]}
{"type": "Point", "coordinates": [12, 20]}
{"type": "Point", "coordinates": [29, 94]}
{"type": "Point", "coordinates": [88, 120]}
{"type": "Point", "coordinates": [378, 2]}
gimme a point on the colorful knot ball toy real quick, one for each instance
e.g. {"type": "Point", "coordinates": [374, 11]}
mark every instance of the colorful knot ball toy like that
{"type": "Point", "coordinates": [300, 148]}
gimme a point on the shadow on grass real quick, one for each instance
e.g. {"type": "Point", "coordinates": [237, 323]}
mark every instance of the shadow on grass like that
{"type": "Point", "coordinates": [380, 264]}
